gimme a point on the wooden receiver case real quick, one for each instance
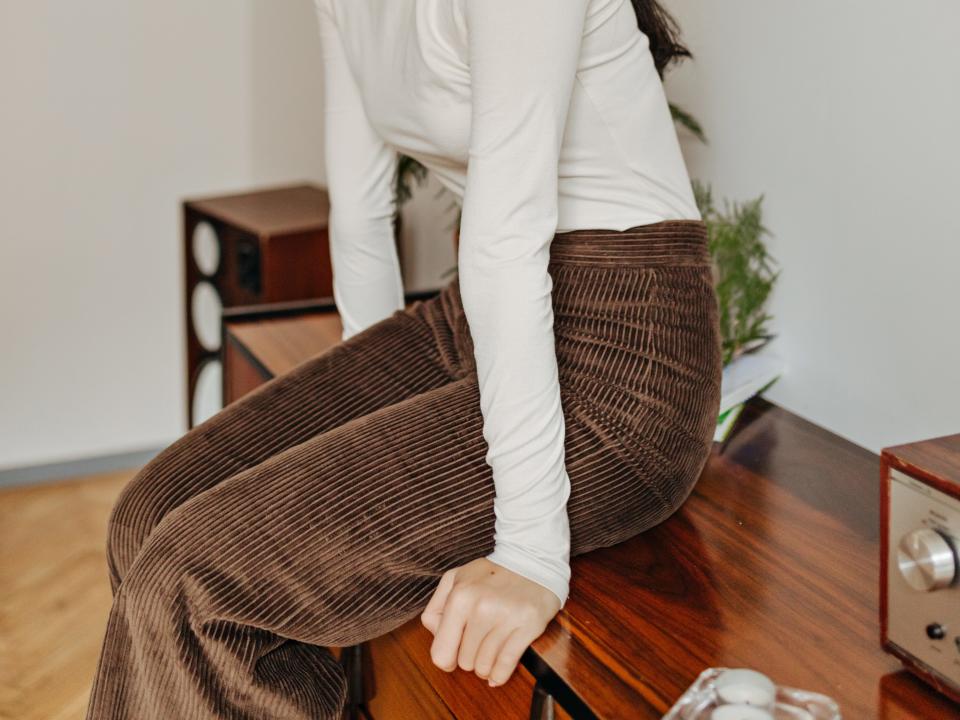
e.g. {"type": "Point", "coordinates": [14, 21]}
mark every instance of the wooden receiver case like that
{"type": "Point", "coordinates": [919, 571]}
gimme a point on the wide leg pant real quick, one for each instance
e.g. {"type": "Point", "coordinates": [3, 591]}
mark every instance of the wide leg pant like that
{"type": "Point", "coordinates": [321, 509]}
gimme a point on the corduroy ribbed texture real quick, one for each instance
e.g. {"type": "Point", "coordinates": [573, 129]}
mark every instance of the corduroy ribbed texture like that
{"type": "Point", "coordinates": [322, 508]}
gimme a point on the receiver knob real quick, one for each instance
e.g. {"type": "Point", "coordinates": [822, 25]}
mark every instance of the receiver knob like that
{"type": "Point", "coordinates": [927, 560]}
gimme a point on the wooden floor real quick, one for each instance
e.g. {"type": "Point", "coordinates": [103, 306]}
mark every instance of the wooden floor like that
{"type": "Point", "coordinates": [54, 594]}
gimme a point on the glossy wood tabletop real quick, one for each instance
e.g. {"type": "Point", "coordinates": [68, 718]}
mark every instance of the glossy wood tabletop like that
{"type": "Point", "coordinates": [772, 563]}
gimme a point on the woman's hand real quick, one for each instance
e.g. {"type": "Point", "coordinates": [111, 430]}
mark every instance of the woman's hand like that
{"type": "Point", "coordinates": [483, 616]}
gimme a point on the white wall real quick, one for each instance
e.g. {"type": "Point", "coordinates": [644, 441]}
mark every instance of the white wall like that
{"type": "Point", "coordinates": [846, 116]}
{"type": "Point", "coordinates": [286, 85]}
{"type": "Point", "coordinates": [113, 111]}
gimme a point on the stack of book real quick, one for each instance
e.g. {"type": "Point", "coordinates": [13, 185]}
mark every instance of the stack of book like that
{"type": "Point", "coordinates": [748, 375]}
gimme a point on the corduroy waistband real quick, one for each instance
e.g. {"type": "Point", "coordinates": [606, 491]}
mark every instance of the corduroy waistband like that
{"type": "Point", "coordinates": [668, 242]}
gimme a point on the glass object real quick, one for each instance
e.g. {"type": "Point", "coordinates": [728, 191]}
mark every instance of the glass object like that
{"type": "Point", "coordinates": [745, 694]}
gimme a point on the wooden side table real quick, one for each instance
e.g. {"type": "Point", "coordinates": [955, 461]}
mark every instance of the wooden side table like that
{"type": "Point", "coordinates": [772, 563]}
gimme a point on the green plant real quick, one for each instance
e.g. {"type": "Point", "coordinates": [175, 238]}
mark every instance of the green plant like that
{"type": "Point", "coordinates": [408, 170]}
{"type": "Point", "coordinates": [743, 270]}
{"type": "Point", "coordinates": [685, 119]}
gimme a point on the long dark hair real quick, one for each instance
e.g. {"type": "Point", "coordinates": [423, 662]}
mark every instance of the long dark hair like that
{"type": "Point", "coordinates": [662, 30]}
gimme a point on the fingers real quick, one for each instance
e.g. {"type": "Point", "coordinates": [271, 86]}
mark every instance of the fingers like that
{"type": "Point", "coordinates": [509, 656]}
{"type": "Point", "coordinates": [484, 621]}
{"type": "Point", "coordinates": [479, 625]}
{"type": "Point", "coordinates": [446, 641]}
{"type": "Point", "coordinates": [489, 650]}
{"type": "Point", "coordinates": [430, 617]}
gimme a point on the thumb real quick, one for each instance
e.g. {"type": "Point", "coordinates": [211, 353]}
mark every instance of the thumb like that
{"type": "Point", "coordinates": [430, 617]}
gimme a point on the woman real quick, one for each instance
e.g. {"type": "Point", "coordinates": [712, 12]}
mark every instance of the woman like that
{"type": "Point", "coordinates": [447, 458]}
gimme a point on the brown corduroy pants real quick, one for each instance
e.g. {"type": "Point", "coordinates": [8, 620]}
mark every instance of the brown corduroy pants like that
{"type": "Point", "coordinates": [322, 508]}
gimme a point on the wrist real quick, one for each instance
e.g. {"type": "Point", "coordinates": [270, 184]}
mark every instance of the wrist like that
{"type": "Point", "coordinates": [553, 573]}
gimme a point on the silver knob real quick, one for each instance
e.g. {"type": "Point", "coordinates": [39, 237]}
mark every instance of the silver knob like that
{"type": "Point", "coordinates": [927, 560]}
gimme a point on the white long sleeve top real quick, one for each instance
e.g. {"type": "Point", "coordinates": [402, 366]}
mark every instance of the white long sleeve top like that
{"type": "Point", "coordinates": [541, 117]}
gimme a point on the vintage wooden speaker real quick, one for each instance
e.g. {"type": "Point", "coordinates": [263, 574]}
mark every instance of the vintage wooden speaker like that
{"type": "Point", "coordinates": [248, 249]}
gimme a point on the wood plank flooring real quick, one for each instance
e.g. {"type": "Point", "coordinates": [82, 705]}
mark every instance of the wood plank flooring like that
{"type": "Point", "coordinates": [54, 594]}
